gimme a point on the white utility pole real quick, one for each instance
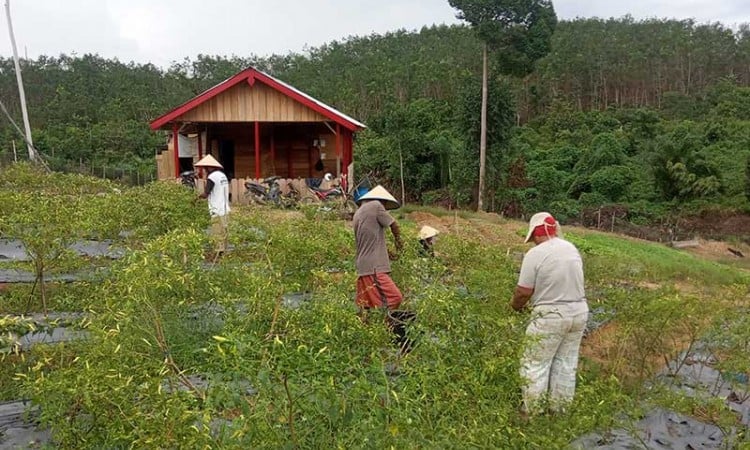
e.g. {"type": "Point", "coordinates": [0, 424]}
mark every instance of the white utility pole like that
{"type": "Point", "coordinates": [21, 93]}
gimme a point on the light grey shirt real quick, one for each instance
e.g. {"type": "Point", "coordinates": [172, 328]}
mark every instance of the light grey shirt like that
{"type": "Point", "coordinates": [554, 269]}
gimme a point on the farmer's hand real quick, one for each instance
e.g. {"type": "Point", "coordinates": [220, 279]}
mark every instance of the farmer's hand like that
{"type": "Point", "coordinates": [393, 256]}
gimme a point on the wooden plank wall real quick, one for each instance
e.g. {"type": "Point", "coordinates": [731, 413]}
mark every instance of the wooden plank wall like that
{"type": "Point", "coordinates": [236, 189]}
{"type": "Point", "coordinates": [165, 165]}
{"type": "Point", "coordinates": [245, 164]}
{"type": "Point", "coordinates": [303, 155]}
{"type": "Point", "coordinates": [243, 103]}
{"type": "Point", "coordinates": [297, 151]}
{"type": "Point", "coordinates": [301, 163]}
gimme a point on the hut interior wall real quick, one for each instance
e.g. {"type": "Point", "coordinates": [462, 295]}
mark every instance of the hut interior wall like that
{"type": "Point", "coordinates": [294, 154]}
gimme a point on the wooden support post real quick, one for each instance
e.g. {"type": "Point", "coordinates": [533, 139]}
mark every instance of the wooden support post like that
{"type": "Point", "coordinates": [176, 148]}
{"type": "Point", "coordinates": [257, 150]}
{"type": "Point", "coordinates": [273, 152]}
{"type": "Point", "coordinates": [347, 152]}
{"type": "Point", "coordinates": [199, 172]}
{"type": "Point", "coordinates": [338, 150]}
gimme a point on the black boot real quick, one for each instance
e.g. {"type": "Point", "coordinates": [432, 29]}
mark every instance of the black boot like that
{"type": "Point", "coordinates": [398, 322]}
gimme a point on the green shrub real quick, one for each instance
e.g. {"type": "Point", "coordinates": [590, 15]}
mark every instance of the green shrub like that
{"type": "Point", "coordinates": [184, 354]}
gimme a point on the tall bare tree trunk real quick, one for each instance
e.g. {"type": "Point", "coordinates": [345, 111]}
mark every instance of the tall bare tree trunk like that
{"type": "Point", "coordinates": [403, 187]}
{"type": "Point", "coordinates": [19, 79]}
{"type": "Point", "coordinates": [483, 132]}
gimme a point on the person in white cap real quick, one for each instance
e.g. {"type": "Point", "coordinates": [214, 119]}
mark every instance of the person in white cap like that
{"type": "Point", "coordinates": [375, 288]}
{"type": "Point", "coordinates": [552, 280]}
{"type": "Point", "coordinates": [217, 193]}
{"type": "Point", "coordinates": [427, 238]}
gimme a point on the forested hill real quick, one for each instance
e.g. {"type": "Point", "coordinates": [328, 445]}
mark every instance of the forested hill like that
{"type": "Point", "coordinates": [621, 111]}
{"type": "Point", "coordinates": [594, 64]}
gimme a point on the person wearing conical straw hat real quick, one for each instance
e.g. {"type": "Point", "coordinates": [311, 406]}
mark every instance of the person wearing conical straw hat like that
{"type": "Point", "coordinates": [217, 193]}
{"type": "Point", "coordinates": [551, 280]}
{"type": "Point", "coordinates": [375, 288]}
{"type": "Point", "coordinates": [427, 238]}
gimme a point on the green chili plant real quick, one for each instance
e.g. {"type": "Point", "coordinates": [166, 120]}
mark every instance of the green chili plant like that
{"type": "Point", "coordinates": [47, 225]}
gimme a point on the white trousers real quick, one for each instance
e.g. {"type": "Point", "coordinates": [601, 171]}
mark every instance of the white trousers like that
{"type": "Point", "coordinates": [551, 358]}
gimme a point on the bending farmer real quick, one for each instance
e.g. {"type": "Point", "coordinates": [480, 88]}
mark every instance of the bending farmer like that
{"type": "Point", "coordinates": [552, 278]}
{"type": "Point", "coordinates": [217, 193]}
{"type": "Point", "coordinates": [427, 238]}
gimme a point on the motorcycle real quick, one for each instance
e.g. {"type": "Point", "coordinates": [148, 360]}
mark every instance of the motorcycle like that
{"type": "Point", "coordinates": [268, 192]}
{"type": "Point", "coordinates": [335, 197]}
{"type": "Point", "coordinates": [187, 178]}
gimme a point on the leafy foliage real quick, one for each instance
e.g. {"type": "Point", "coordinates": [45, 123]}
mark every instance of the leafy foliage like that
{"type": "Point", "coordinates": [422, 136]}
{"type": "Point", "coordinates": [180, 353]}
{"type": "Point", "coordinates": [672, 95]}
{"type": "Point", "coordinates": [520, 31]}
{"type": "Point", "coordinates": [187, 355]}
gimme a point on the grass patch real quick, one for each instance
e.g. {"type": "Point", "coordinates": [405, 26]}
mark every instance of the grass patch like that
{"type": "Point", "coordinates": [609, 257]}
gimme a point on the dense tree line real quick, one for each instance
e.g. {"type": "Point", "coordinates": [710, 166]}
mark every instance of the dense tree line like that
{"type": "Point", "coordinates": [638, 157]}
{"type": "Point", "coordinates": [599, 63]}
{"type": "Point", "coordinates": [653, 114]}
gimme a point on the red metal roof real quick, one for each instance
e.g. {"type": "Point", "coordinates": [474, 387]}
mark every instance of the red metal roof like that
{"type": "Point", "coordinates": [252, 75]}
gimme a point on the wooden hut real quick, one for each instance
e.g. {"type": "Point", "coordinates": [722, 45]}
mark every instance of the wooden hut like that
{"type": "Point", "coordinates": [258, 126]}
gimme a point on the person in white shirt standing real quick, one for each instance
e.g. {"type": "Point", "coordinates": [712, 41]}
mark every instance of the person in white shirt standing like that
{"type": "Point", "coordinates": [551, 280]}
{"type": "Point", "coordinates": [217, 193]}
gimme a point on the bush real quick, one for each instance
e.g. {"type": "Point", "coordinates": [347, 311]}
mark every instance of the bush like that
{"type": "Point", "coordinates": [173, 205]}
{"type": "Point", "coordinates": [612, 182]}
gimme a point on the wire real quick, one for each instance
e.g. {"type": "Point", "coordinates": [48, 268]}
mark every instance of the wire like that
{"type": "Point", "coordinates": [37, 154]}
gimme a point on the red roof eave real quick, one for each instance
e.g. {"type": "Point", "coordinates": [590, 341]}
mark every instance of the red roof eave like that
{"type": "Point", "coordinates": [251, 75]}
{"type": "Point", "coordinates": [195, 101]}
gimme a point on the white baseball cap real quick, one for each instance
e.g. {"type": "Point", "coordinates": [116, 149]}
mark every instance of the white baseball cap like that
{"type": "Point", "coordinates": [542, 218]}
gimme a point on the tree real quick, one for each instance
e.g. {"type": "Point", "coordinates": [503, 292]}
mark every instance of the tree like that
{"type": "Point", "coordinates": [521, 32]}
{"type": "Point", "coordinates": [500, 118]}
{"type": "Point", "coordinates": [421, 134]}
{"type": "Point", "coordinates": [683, 168]}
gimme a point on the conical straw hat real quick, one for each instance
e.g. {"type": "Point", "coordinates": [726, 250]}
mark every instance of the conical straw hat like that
{"type": "Point", "coordinates": [208, 161]}
{"type": "Point", "coordinates": [380, 193]}
{"type": "Point", "coordinates": [427, 232]}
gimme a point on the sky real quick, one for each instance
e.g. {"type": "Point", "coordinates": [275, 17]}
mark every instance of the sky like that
{"type": "Point", "coordinates": [163, 31]}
